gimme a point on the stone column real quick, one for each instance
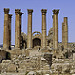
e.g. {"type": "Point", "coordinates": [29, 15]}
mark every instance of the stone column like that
{"type": "Point", "coordinates": [20, 26]}
{"type": "Point", "coordinates": [63, 37]}
{"type": "Point", "coordinates": [55, 25]}
{"type": "Point", "coordinates": [44, 11]}
{"type": "Point", "coordinates": [66, 32]}
{"type": "Point", "coordinates": [29, 32]}
{"type": "Point", "coordinates": [10, 16]}
{"type": "Point", "coordinates": [53, 32]}
{"type": "Point", "coordinates": [6, 29]}
{"type": "Point", "coordinates": [17, 29]}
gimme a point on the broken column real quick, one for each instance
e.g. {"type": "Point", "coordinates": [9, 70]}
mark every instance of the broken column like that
{"type": "Point", "coordinates": [29, 32]}
{"type": "Point", "coordinates": [6, 29]}
{"type": "Point", "coordinates": [66, 32]}
{"type": "Point", "coordinates": [17, 29]}
{"type": "Point", "coordinates": [10, 16]}
{"type": "Point", "coordinates": [55, 26]}
{"type": "Point", "coordinates": [44, 11]}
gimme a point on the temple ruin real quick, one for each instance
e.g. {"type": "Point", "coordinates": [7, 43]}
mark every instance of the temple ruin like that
{"type": "Point", "coordinates": [36, 53]}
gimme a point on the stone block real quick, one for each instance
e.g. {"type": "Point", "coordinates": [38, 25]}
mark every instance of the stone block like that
{"type": "Point", "coordinates": [31, 73]}
{"type": "Point", "coordinates": [6, 61]}
{"type": "Point", "coordinates": [11, 68]}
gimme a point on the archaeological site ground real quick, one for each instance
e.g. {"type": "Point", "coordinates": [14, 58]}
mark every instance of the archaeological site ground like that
{"type": "Point", "coordinates": [36, 53]}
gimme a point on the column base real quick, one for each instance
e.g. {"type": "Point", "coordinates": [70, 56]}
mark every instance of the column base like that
{"type": "Point", "coordinates": [29, 49]}
{"type": "Point", "coordinates": [17, 49]}
{"type": "Point", "coordinates": [44, 48]}
{"type": "Point", "coordinates": [2, 49]}
{"type": "Point", "coordinates": [5, 49]}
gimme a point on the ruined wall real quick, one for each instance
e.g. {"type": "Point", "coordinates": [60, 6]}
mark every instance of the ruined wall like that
{"type": "Point", "coordinates": [2, 55]}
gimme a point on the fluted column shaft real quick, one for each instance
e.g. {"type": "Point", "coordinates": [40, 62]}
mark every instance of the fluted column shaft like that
{"type": "Point", "coordinates": [20, 28]}
{"type": "Point", "coordinates": [66, 32]}
{"type": "Point", "coordinates": [43, 27]}
{"type": "Point", "coordinates": [53, 31]}
{"type": "Point", "coordinates": [6, 29]}
{"type": "Point", "coordinates": [29, 32]}
{"type": "Point", "coordinates": [55, 25]}
{"type": "Point", "coordinates": [17, 29]}
{"type": "Point", "coordinates": [63, 36]}
{"type": "Point", "coordinates": [10, 16]}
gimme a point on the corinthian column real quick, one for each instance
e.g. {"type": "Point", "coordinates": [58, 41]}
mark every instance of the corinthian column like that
{"type": "Point", "coordinates": [6, 29]}
{"type": "Point", "coordinates": [29, 32]}
{"type": "Point", "coordinates": [43, 27]}
{"type": "Point", "coordinates": [66, 32]}
{"type": "Point", "coordinates": [55, 26]}
{"type": "Point", "coordinates": [10, 16]}
{"type": "Point", "coordinates": [17, 29]}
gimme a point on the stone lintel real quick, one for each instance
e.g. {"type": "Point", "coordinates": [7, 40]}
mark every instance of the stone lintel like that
{"type": "Point", "coordinates": [6, 10]}
{"type": "Point", "coordinates": [30, 11]}
{"type": "Point", "coordinates": [55, 11]}
{"type": "Point", "coordinates": [44, 11]}
{"type": "Point", "coordinates": [17, 11]}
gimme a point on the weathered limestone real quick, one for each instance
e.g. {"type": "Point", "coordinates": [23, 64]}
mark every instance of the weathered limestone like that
{"type": "Point", "coordinates": [63, 37]}
{"type": "Point", "coordinates": [20, 21]}
{"type": "Point", "coordinates": [43, 27]}
{"type": "Point", "coordinates": [18, 28]}
{"type": "Point", "coordinates": [53, 32]}
{"type": "Point", "coordinates": [6, 29]}
{"type": "Point", "coordinates": [10, 16]}
{"type": "Point", "coordinates": [73, 56]}
{"type": "Point", "coordinates": [29, 33]}
{"type": "Point", "coordinates": [66, 32]}
{"type": "Point", "coordinates": [55, 28]}
{"type": "Point", "coordinates": [45, 61]}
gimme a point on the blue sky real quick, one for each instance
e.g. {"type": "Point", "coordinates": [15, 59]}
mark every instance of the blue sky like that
{"type": "Point", "coordinates": [67, 9]}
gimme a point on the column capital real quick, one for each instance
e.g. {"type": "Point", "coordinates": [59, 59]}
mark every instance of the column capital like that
{"type": "Point", "coordinates": [6, 10]}
{"type": "Point", "coordinates": [17, 11]}
{"type": "Point", "coordinates": [55, 11]}
{"type": "Point", "coordinates": [44, 11]}
{"type": "Point", "coordinates": [30, 11]}
{"type": "Point", "coordinates": [65, 17]}
{"type": "Point", "coordinates": [10, 15]}
{"type": "Point", "coordinates": [21, 13]}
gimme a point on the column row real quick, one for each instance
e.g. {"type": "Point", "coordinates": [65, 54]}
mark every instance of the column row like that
{"type": "Point", "coordinates": [18, 14]}
{"type": "Point", "coordinates": [29, 34]}
{"type": "Point", "coordinates": [7, 29]}
{"type": "Point", "coordinates": [55, 31]}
